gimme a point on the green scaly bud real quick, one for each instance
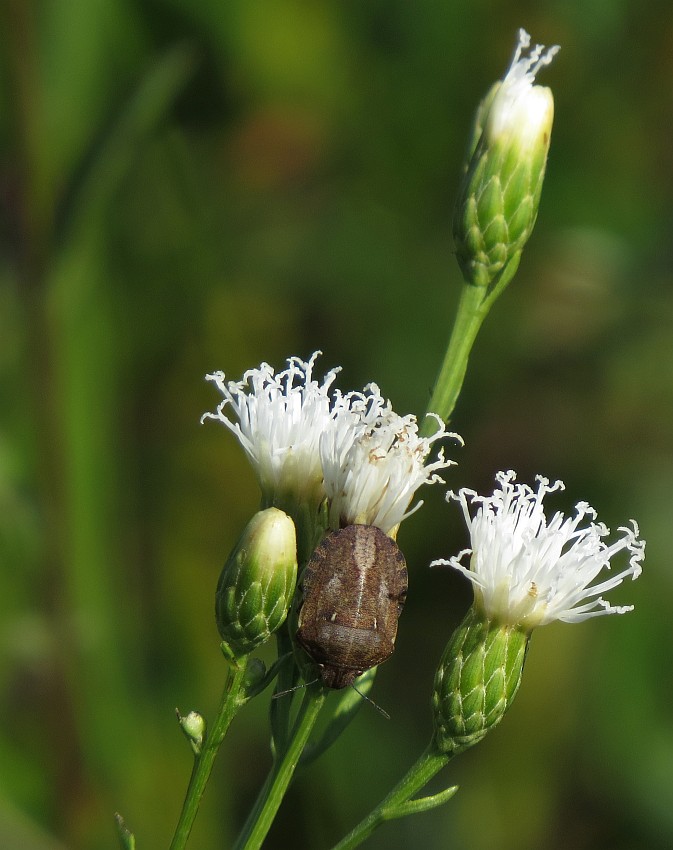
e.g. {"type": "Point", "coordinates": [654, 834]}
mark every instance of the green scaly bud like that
{"type": "Point", "coordinates": [479, 123]}
{"type": "Point", "coordinates": [500, 194]}
{"type": "Point", "coordinates": [476, 681]}
{"type": "Point", "coordinates": [257, 583]}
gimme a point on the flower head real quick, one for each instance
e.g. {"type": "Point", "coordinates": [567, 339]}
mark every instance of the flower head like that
{"type": "Point", "coordinates": [278, 419]}
{"type": "Point", "coordinates": [307, 442]}
{"type": "Point", "coordinates": [528, 571]}
{"type": "Point", "coordinates": [520, 108]}
{"type": "Point", "coordinates": [374, 467]}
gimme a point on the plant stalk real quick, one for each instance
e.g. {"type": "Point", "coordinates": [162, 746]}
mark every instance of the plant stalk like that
{"type": "Point", "coordinates": [264, 811]}
{"type": "Point", "coordinates": [473, 307]}
{"type": "Point", "coordinates": [469, 317]}
{"type": "Point", "coordinates": [232, 700]}
{"type": "Point", "coordinates": [396, 803]}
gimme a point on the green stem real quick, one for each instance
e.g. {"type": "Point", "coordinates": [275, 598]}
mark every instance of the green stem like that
{"type": "Point", "coordinates": [281, 706]}
{"type": "Point", "coordinates": [473, 307]}
{"type": "Point", "coordinates": [269, 800]}
{"type": "Point", "coordinates": [469, 316]}
{"type": "Point", "coordinates": [232, 700]}
{"type": "Point", "coordinates": [396, 804]}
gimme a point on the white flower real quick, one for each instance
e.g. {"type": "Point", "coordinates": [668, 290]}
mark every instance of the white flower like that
{"type": "Point", "coordinates": [374, 467]}
{"type": "Point", "coordinates": [279, 419]}
{"type": "Point", "coordinates": [527, 571]}
{"type": "Point", "coordinates": [307, 443]}
{"type": "Point", "coordinates": [520, 109]}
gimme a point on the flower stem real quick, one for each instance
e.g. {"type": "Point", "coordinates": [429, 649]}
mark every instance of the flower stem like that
{"type": "Point", "coordinates": [473, 307]}
{"type": "Point", "coordinates": [397, 804]}
{"type": "Point", "coordinates": [232, 699]}
{"type": "Point", "coordinates": [469, 316]}
{"type": "Point", "coordinates": [264, 811]}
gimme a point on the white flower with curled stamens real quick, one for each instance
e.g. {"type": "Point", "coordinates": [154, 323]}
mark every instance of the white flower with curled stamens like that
{"type": "Point", "coordinates": [528, 571]}
{"type": "Point", "coordinates": [278, 420]}
{"type": "Point", "coordinates": [306, 442]}
{"type": "Point", "coordinates": [373, 468]}
{"type": "Point", "coordinates": [520, 108]}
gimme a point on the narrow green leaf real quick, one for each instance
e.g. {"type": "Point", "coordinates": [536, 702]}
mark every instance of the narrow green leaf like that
{"type": "Point", "coordinates": [350, 702]}
{"type": "Point", "coordinates": [127, 839]}
{"type": "Point", "coordinates": [422, 804]}
{"type": "Point", "coordinates": [112, 155]}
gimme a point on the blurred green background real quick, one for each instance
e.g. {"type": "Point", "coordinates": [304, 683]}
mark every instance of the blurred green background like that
{"type": "Point", "coordinates": [191, 186]}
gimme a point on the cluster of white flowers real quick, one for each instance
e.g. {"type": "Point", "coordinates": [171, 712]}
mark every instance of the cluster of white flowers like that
{"type": "Point", "coordinates": [307, 442]}
{"type": "Point", "coordinates": [528, 571]}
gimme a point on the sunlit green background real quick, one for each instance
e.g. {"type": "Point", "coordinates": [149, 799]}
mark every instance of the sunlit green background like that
{"type": "Point", "coordinates": [191, 185]}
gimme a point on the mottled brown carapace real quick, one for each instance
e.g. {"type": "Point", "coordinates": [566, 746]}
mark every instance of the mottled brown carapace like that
{"type": "Point", "coordinates": [354, 587]}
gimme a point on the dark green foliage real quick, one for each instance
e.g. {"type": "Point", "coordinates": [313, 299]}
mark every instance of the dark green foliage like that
{"type": "Point", "coordinates": [190, 186]}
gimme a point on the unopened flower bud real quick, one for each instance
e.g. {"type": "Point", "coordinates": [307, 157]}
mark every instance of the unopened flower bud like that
{"type": "Point", "coordinates": [257, 583]}
{"type": "Point", "coordinates": [499, 198]}
{"type": "Point", "coordinates": [476, 681]}
{"type": "Point", "coordinates": [194, 727]}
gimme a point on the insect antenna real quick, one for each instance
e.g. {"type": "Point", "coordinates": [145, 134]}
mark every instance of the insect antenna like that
{"type": "Point", "coordinates": [381, 711]}
{"type": "Point", "coordinates": [296, 688]}
{"type": "Point", "coordinates": [371, 701]}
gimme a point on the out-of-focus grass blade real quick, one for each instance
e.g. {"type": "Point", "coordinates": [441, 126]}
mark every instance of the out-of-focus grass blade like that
{"type": "Point", "coordinates": [113, 153]}
{"type": "Point", "coordinates": [127, 839]}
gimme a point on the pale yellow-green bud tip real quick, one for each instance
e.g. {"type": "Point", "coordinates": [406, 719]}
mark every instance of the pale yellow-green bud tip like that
{"type": "Point", "coordinates": [126, 838]}
{"type": "Point", "coordinates": [194, 727]}
{"type": "Point", "coordinates": [500, 194]}
{"type": "Point", "coordinates": [255, 588]}
{"type": "Point", "coordinates": [476, 681]}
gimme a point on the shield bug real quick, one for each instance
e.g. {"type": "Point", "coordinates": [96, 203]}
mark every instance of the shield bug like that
{"type": "Point", "coordinates": [354, 588]}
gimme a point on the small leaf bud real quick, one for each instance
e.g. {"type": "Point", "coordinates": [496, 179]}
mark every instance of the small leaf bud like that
{"type": "Point", "coordinates": [255, 679]}
{"type": "Point", "coordinates": [194, 727]}
{"type": "Point", "coordinates": [257, 583]}
{"type": "Point", "coordinates": [476, 681]}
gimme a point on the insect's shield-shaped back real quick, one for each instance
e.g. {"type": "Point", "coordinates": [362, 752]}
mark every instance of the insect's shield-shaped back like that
{"type": "Point", "coordinates": [353, 590]}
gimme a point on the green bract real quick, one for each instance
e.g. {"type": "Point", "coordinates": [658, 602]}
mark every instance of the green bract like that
{"type": "Point", "coordinates": [500, 194]}
{"type": "Point", "coordinates": [256, 585]}
{"type": "Point", "coordinates": [476, 681]}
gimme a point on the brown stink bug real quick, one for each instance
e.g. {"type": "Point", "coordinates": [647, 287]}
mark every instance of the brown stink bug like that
{"type": "Point", "coordinates": [354, 588]}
